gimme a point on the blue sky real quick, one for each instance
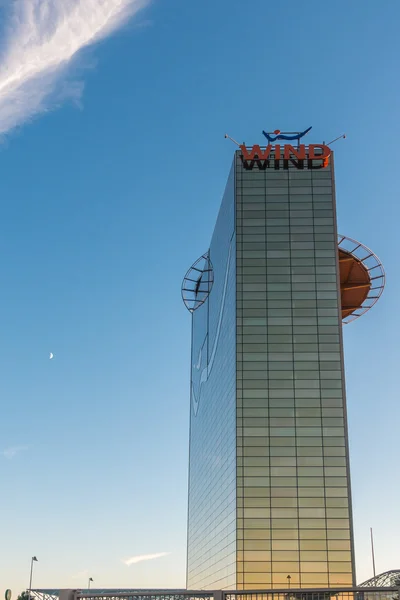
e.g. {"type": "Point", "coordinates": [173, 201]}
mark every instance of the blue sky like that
{"type": "Point", "coordinates": [105, 203]}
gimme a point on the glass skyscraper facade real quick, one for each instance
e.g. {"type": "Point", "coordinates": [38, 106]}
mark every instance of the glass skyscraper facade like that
{"type": "Point", "coordinates": [269, 489]}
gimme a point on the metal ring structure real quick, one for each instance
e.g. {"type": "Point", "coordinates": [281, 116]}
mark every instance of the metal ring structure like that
{"type": "Point", "coordinates": [387, 579]}
{"type": "Point", "coordinates": [362, 278]}
{"type": "Point", "coordinates": [197, 283]}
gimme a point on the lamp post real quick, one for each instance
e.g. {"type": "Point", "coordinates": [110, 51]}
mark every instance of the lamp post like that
{"type": "Point", "coordinates": [90, 579]}
{"type": "Point", "coordinates": [288, 581]}
{"type": "Point", "coordinates": [373, 551]}
{"type": "Point", "coordinates": [34, 559]}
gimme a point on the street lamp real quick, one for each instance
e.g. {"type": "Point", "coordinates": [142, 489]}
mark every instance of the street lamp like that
{"type": "Point", "coordinates": [34, 559]}
{"type": "Point", "coordinates": [90, 579]}
{"type": "Point", "coordinates": [288, 581]}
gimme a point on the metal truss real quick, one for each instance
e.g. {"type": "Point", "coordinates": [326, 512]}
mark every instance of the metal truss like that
{"type": "Point", "coordinates": [374, 268]}
{"type": "Point", "coordinates": [197, 283]}
{"type": "Point", "coordinates": [45, 594]}
{"type": "Point", "coordinates": [387, 579]}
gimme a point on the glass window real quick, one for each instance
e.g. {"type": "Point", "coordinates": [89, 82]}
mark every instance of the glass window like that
{"type": "Point", "coordinates": [337, 502]}
{"type": "Point", "coordinates": [256, 555]}
{"type": "Point", "coordinates": [336, 492]}
{"type": "Point", "coordinates": [339, 545]}
{"type": "Point", "coordinates": [312, 523]}
{"type": "Point", "coordinates": [338, 534]}
{"type": "Point", "coordinates": [283, 523]}
{"type": "Point", "coordinates": [256, 523]}
{"type": "Point", "coordinates": [284, 555]}
{"type": "Point", "coordinates": [254, 502]}
{"type": "Point", "coordinates": [314, 579]}
{"type": "Point", "coordinates": [311, 502]}
{"type": "Point", "coordinates": [249, 513]}
{"type": "Point", "coordinates": [340, 579]}
{"type": "Point", "coordinates": [283, 481]}
{"type": "Point", "coordinates": [312, 534]}
{"type": "Point", "coordinates": [337, 523]}
{"type": "Point", "coordinates": [314, 555]}
{"type": "Point", "coordinates": [285, 545]}
{"type": "Point", "coordinates": [285, 513]}
{"type": "Point", "coordinates": [284, 534]}
{"type": "Point", "coordinates": [257, 545]}
{"type": "Point", "coordinates": [340, 567]}
{"type": "Point", "coordinates": [284, 568]}
{"type": "Point", "coordinates": [256, 578]}
{"type": "Point", "coordinates": [283, 492]}
{"type": "Point", "coordinates": [283, 461]}
{"type": "Point", "coordinates": [284, 502]}
{"type": "Point", "coordinates": [312, 545]}
{"type": "Point", "coordinates": [310, 513]}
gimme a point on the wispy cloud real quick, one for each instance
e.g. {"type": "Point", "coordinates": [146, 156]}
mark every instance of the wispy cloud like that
{"type": "Point", "coordinates": [40, 38]}
{"type": "Point", "coordinates": [13, 451]}
{"type": "Point", "coordinates": [141, 557]}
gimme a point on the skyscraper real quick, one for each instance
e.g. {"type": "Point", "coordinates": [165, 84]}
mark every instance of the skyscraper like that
{"type": "Point", "coordinates": [269, 482]}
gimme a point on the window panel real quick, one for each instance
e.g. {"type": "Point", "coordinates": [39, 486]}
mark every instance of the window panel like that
{"type": "Point", "coordinates": [256, 578]}
{"type": "Point", "coordinates": [340, 567]}
{"type": "Point", "coordinates": [340, 579]}
{"type": "Point", "coordinates": [313, 567]}
{"type": "Point", "coordinates": [284, 555]}
{"type": "Point", "coordinates": [283, 523]}
{"type": "Point", "coordinates": [284, 534]}
{"type": "Point", "coordinates": [338, 556]}
{"type": "Point", "coordinates": [339, 545]}
{"type": "Point", "coordinates": [311, 502]}
{"type": "Point", "coordinates": [256, 523]}
{"type": "Point", "coordinates": [313, 534]}
{"type": "Point", "coordinates": [314, 579]}
{"type": "Point", "coordinates": [285, 568]}
{"type": "Point", "coordinates": [256, 534]}
{"type": "Point", "coordinates": [285, 545]}
{"type": "Point", "coordinates": [314, 555]}
{"type": "Point", "coordinates": [284, 502]}
{"type": "Point", "coordinates": [338, 534]}
{"type": "Point", "coordinates": [311, 492]}
{"type": "Point", "coordinates": [312, 512]}
{"type": "Point", "coordinates": [284, 512]}
{"type": "Point", "coordinates": [260, 512]}
{"type": "Point", "coordinates": [256, 555]}
{"type": "Point", "coordinates": [257, 545]}
{"type": "Point", "coordinates": [312, 545]}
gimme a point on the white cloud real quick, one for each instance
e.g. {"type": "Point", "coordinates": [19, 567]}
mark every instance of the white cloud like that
{"type": "Point", "coordinates": [40, 38]}
{"type": "Point", "coordinates": [13, 451]}
{"type": "Point", "coordinates": [141, 557]}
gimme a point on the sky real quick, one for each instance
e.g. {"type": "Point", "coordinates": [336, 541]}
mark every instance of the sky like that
{"type": "Point", "coordinates": [113, 163]}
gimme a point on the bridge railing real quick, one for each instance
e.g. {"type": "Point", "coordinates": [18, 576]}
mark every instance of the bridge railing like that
{"type": "Point", "coordinates": [364, 593]}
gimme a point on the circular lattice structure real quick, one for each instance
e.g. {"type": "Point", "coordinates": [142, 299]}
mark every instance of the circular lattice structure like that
{"type": "Point", "coordinates": [197, 283]}
{"type": "Point", "coordinates": [362, 278]}
{"type": "Point", "coordinates": [387, 579]}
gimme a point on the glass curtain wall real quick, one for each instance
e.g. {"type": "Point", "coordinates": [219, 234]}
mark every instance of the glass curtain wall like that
{"type": "Point", "coordinates": [211, 562]}
{"type": "Point", "coordinates": [293, 492]}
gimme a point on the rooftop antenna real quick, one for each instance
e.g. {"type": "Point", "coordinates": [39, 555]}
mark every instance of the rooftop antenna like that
{"type": "Point", "coordinates": [232, 140]}
{"type": "Point", "coordinates": [343, 136]}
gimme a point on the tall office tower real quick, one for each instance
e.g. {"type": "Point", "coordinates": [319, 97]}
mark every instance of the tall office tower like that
{"type": "Point", "coordinates": [269, 483]}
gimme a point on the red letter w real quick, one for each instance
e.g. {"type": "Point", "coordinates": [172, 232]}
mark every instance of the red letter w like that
{"type": "Point", "coordinates": [255, 153]}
